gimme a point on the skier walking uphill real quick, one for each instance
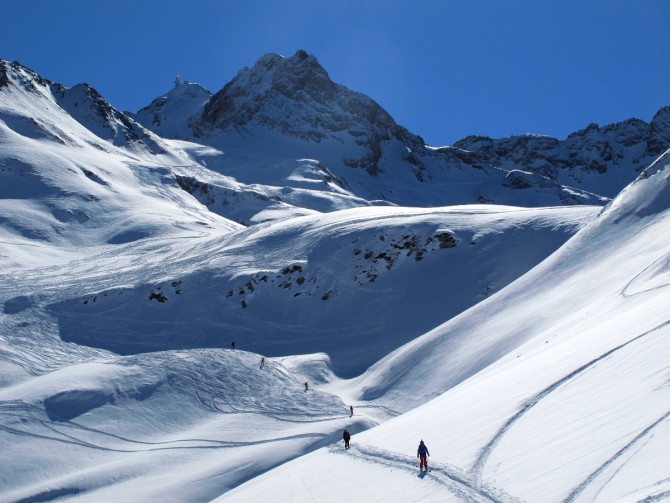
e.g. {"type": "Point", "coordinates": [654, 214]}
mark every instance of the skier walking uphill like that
{"type": "Point", "coordinates": [346, 438]}
{"type": "Point", "coordinates": [421, 453]}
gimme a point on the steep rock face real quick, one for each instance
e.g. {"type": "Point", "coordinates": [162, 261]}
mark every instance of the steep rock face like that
{"type": "Point", "coordinates": [318, 106]}
{"type": "Point", "coordinates": [295, 97]}
{"type": "Point", "coordinates": [91, 110]}
{"type": "Point", "coordinates": [659, 139]}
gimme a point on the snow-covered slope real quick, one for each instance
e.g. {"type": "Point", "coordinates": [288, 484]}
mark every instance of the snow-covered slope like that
{"type": "Point", "coordinates": [176, 426]}
{"type": "Point", "coordinates": [113, 238]}
{"type": "Point", "coordinates": [64, 186]}
{"type": "Point", "coordinates": [555, 389]}
{"type": "Point", "coordinates": [69, 155]}
{"type": "Point", "coordinates": [116, 246]}
{"type": "Point", "coordinates": [355, 284]}
{"type": "Point", "coordinates": [169, 115]}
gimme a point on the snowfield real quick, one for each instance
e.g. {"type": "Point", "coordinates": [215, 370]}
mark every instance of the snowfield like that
{"type": "Point", "coordinates": [571, 404]}
{"type": "Point", "coordinates": [526, 343]}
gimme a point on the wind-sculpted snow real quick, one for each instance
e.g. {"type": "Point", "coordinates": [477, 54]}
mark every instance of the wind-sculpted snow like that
{"type": "Point", "coordinates": [62, 186]}
{"type": "Point", "coordinates": [327, 283]}
{"type": "Point", "coordinates": [123, 421]}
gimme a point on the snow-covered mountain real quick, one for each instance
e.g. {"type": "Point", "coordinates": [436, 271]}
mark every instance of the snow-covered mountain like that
{"type": "Point", "coordinates": [289, 108]}
{"type": "Point", "coordinates": [85, 178]}
{"type": "Point", "coordinates": [169, 115]}
{"type": "Point", "coordinates": [525, 344]}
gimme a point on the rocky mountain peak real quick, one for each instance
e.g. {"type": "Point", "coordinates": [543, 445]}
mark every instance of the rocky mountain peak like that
{"type": "Point", "coordinates": [294, 96]}
{"type": "Point", "coordinates": [297, 77]}
{"type": "Point", "coordinates": [302, 76]}
{"type": "Point", "coordinates": [661, 121]}
{"type": "Point", "coordinates": [21, 77]}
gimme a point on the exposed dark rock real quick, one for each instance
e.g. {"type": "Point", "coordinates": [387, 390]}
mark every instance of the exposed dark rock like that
{"type": "Point", "coordinates": [290, 270]}
{"type": "Point", "coordinates": [4, 78]}
{"type": "Point", "coordinates": [516, 180]}
{"type": "Point", "coordinates": [160, 297]}
{"type": "Point", "coordinates": [447, 240]}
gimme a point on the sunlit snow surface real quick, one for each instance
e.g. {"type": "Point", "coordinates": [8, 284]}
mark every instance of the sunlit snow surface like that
{"type": "Point", "coordinates": [531, 376]}
{"type": "Point", "coordinates": [574, 404]}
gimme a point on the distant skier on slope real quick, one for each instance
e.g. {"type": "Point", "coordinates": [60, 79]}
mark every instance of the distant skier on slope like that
{"type": "Point", "coordinates": [346, 438]}
{"type": "Point", "coordinates": [421, 453]}
{"type": "Point", "coordinates": [351, 410]}
{"type": "Point", "coordinates": [306, 386]}
{"type": "Point", "coordinates": [262, 361]}
{"type": "Point", "coordinates": [232, 344]}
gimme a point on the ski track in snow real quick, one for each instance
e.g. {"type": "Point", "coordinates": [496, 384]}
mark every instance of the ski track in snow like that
{"type": "Point", "coordinates": [19, 408]}
{"type": "Point", "coordinates": [656, 497]}
{"type": "Point", "coordinates": [478, 466]}
{"type": "Point", "coordinates": [451, 477]}
{"type": "Point", "coordinates": [591, 478]}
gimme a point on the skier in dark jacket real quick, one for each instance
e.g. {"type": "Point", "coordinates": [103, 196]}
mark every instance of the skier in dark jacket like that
{"type": "Point", "coordinates": [421, 453]}
{"type": "Point", "coordinates": [346, 438]}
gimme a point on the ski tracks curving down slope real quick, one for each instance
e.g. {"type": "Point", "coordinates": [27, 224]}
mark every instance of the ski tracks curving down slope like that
{"type": "Point", "coordinates": [576, 406]}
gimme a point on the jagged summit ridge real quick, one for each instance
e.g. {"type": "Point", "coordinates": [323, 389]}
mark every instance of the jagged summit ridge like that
{"type": "Point", "coordinates": [599, 159]}
{"type": "Point", "coordinates": [282, 99]}
{"type": "Point", "coordinates": [297, 97]}
{"type": "Point", "coordinates": [284, 109]}
{"type": "Point", "coordinates": [82, 103]}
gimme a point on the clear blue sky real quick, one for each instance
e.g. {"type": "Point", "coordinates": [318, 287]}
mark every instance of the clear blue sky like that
{"type": "Point", "coordinates": [443, 69]}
